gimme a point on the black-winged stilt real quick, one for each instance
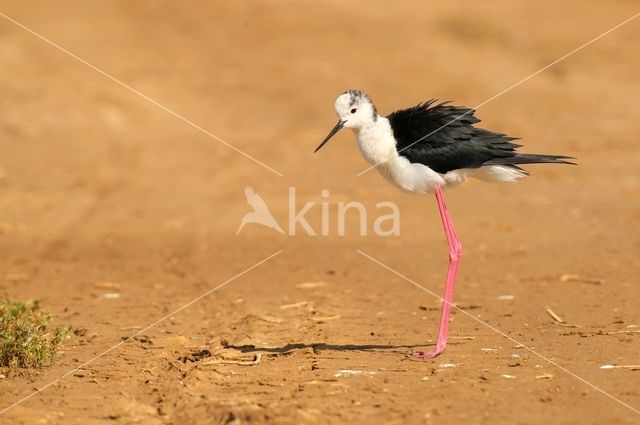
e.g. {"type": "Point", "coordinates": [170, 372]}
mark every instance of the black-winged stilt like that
{"type": "Point", "coordinates": [426, 148]}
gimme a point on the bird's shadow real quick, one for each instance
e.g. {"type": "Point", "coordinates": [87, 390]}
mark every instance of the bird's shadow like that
{"type": "Point", "coordinates": [321, 346]}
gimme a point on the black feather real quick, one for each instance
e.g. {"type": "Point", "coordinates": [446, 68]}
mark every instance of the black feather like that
{"type": "Point", "coordinates": [443, 138]}
{"type": "Point", "coordinates": [530, 158]}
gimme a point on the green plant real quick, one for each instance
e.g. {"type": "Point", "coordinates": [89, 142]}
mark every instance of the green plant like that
{"type": "Point", "coordinates": [25, 338]}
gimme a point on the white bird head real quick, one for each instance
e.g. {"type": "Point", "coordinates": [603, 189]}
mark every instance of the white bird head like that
{"type": "Point", "coordinates": [355, 110]}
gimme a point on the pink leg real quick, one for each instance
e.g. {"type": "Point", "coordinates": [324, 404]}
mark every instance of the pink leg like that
{"type": "Point", "coordinates": [455, 252]}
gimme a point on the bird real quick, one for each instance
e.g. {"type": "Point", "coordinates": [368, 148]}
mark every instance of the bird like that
{"type": "Point", "coordinates": [260, 213]}
{"type": "Point", "coordinates": [426, 148]}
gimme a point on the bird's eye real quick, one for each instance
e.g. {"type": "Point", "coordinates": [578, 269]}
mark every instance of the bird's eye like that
{"type": "Point", "coordinates": [353, 111]}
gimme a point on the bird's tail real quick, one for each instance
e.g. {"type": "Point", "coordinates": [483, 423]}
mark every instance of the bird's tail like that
{"type": "Point", "coordinates": [531, 158]}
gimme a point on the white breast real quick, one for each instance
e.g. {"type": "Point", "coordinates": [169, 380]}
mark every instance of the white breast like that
{"type": "Point", "coordinates": [378, 147]}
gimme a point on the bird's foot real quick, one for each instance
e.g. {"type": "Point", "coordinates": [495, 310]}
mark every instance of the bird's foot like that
{"type": "Point", "coordinates": [425, 355]}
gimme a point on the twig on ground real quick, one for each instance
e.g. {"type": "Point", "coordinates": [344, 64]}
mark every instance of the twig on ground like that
{"type": "Point", "coordinates": [554, 316]}
{"type": "Point", "coordinates": [294, 305]}
{"type": "Point", "coordinates": [256, 360]}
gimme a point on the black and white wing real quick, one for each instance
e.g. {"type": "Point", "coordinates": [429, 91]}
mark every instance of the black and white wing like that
{"type": "Point", "coordinates": [442, 137]}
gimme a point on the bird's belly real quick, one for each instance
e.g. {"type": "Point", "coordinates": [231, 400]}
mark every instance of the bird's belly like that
{"type": "Point", "coordinates": [411, 177]}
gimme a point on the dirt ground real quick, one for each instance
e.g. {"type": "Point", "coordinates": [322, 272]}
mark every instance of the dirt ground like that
{"type": "Point", "coordinates": [116, 213]}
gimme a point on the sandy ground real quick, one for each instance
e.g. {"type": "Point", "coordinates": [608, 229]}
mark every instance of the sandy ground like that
{"type": "Point", "coordinates": [102, 192]}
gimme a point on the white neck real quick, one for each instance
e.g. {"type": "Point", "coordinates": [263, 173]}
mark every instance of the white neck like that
{"type": "Point", "coordinates": [376, 141]}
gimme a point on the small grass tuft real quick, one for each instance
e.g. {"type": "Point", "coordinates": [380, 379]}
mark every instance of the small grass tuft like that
{"type": "Point", "coordinates": [25, 338]}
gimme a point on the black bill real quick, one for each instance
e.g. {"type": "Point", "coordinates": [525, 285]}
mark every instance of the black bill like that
{"type": "Point", "coordinates": [337, 128]}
